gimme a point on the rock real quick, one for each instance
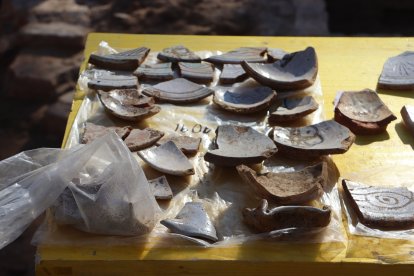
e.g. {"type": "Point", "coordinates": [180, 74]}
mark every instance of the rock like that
{"type": "Point", "coordinates": [33, 76]}
{"type": "Point", "coordinates": [56, 10]}
{"type": "Point", "coordinates": [58, 34]}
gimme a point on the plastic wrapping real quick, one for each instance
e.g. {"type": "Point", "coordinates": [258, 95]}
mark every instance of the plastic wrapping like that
{"type": "Point", "coordinates": [395, 176]}
{"type": "Point", "coordinates": [221, 190]}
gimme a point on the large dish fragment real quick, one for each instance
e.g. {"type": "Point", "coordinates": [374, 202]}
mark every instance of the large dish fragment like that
{"type": "Point", "coordinates": [196, 72]}
{"type": "Point", "coordinates": [111, 81]}
{"type": "Point", "coordinates": [306, 217]}
{"type": "Point", "coordinates": [288, 187]}
{"type": "Point", "coordinates": [292, 108]}
{"type": "Point", "coordinates": [160, 188]}
{"type": "Point", "coordinates": [92, 131]}
{"type": "Point", "coordinates": [168, 159]}
{"type": "Point", "coordinates": [363, 112]}
{"type": "Point", "coordinates": [188, 145]}
{"type": "Point", "coordinates": [293, 72]}
{"type": "Point", "coordinates": [139, 139]}
{"type": "Point", "coordinates": [232, 73]}
{"type": "Point", "coordinates": [328, 137]}
{"type": "Point", "coordinates": [128, 105]}
{"type": "Point", "coordinates": [122, 61]}
{"type": "Point", "coordinates": [178, 91]}
{"type": "Point", "coordinates": [235, 145]}
{"type": "Point", "coordinates": [178, 53]}
{"type": "Point", "coordinates": [155, 72]}
{"type": "Point", "coordinates": [398, 72]}
{"type": "Point", "coordinates": [244, 99]}
{"type": "Point", "coordinates": [237, 56]}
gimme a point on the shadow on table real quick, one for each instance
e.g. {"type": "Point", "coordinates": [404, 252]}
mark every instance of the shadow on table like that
{"type": "Point", "coordinates": [363, 140]}
{"type": "Point", "coordinates": [404, 134]}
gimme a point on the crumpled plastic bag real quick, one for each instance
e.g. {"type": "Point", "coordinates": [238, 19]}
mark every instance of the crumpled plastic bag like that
{"type": "Point", "coordinates": [107, 184]}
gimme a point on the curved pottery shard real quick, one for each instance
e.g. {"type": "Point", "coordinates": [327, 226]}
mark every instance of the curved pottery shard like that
{"type": "Point", "coordinates": [192, 221]}
{"type": "Point", "coordinates": [288, 188]}
{"type": "Point", "coordinates": [167, 158]}
{"type": "Point", "coordinates": [398, 72]}
{"type": "Point", "coordinates": [140, 139]}
{"type": "Point", "coordinates": [127, 60]}
{"type": "Point", "coordinates": [178, 91]}
{"type": "Point", "coordinates": [363, 112]}
{"type": "Point", "coordinates": [237, 56]}
{"type": "Point", "coordinates": [313, 141]}
{"type": "Point", "coordinates": [109, 82]}
{"type": "Point", "coordinates": [187, 144]}
{"type": "Point", "coordinates": [381, 207]}
{"type": "Point", "coordinates": [197, 72]}
{"type": "Point", "coordinates": [160, 188]}
{"type": "Point", "coordinates": [232, 73]}
{"type": "Point", "coordinates": [306, 217]}
{"type": "Point", "coordinates": [293, 108]}
{"type": "Point", "coordinates": [178, 53]}
{"type": "Point", "coordinates": [244, 99]}
{"type": "Point", "coordinates": [240, 145]}
{"type": "Point", "coordinates": [92, 131]}
{"type": "Point", "coordinates": [128, 104]}
{"type": "Point", "coordinates": [295, 71]}
{"type": "Point", "coordinates": [156, 72]}
{"type": "Point", "coordinates": [407, 113]}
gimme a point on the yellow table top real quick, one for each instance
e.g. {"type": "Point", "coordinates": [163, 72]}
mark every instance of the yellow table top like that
{"type": "Point", "coordinates": [344, 64]}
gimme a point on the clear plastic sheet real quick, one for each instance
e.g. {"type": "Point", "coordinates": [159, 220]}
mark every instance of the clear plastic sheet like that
{"type": "Point", "coordinates": [220, 189]}
{"type": "Point", "coordinates": [395, 176]}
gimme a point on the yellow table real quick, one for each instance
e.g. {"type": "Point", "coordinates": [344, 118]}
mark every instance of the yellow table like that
{"type": "Point", "coordinates": [344, 64]}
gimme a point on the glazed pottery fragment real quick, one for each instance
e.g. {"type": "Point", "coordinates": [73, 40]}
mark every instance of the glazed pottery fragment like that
{"type": "Point", "coordinates": [235, 145]}
{"type": "Point", "coordinates": [327, 137]}
{"type": "Point", "coordinates": [188, 145]}
{"type": "Point", "coordinates": [398, 72]}
{"type": "Point", "coordinates": [160, 188]}
{"type": "Point", "coordinates": [192, 221]}
{"type": "Point", "coordinates": [292, 108]}
{"type": "Point", "coordinates": [128, 105]}
{"type": "Point", "coordinates": [363, 112]}
{"type": "Point", "coordinates": [168, 159]}
{"type": "Point", "coordinates": [92, 131]}
{"type": "Point", "coordinates": [232, 73]}
{"type": "Point", "coordinates": [244, 99]}
{"type": "Point", "coordinates": [381, 207]}
{"type": "Point", "coordinates": [178, 53]}
{"type": "Point", "coordinates": [288, 187]}
{"type": "Point", "coordinates": [237, 56]}
{"type": "Point", "coordinates": [407, 113]}
{"type": "Point", "coordinates": [293, 72]}
{"type": "Point", "coordinates": [122, 61]}
{"type": "Point", "coordinates": [275, 54]}
{"type": "Point", "coordinates": [107, 82]}
{"type": "Point", "coordinates": [178, 91]}
{"type": "Point", "coordinates": [140, 139]}
{"type": "Point", "coordinates": [264, 220]}
{"type": "Point", "coordinates": [155, 72]}
{"type": "Point", "coordinates": [196, 72]}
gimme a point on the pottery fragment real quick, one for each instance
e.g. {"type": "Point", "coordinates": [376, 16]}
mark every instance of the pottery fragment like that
{"type": "Point", "coordinates": [196, 72]}
{"type": "Point", "coordinates": [292, 108]}
{"type": "Point", "coordinates": [244, 99]}
{"type": "Point", "coordinates": [168, 159]}
{"type": "Point", "coordinates": [327, 137]}
{"type": "Point", "coordinates": [287, 187]}
{"type": "Point", "coordinates": [140, 139]}
{"type": "Point", "coordinates": [92, 132]}
{"type": "Point", "coordinates": [192, 221]}
{"type": "Point", "coordinates": [154, 72]}
{"type": "Point", "coordinates": [178, 91]}
{"type": "Point", "coordinates": [178, 53]}
{"type": "Point", "coordinates": [381, 207]}
{"type": "Point", "coordinates": [407, 114]}
{"type": "Point", "coordinates": [275, 54]}
{"type": "Point", "coordinates": [232, 73]}
{"type": "Point", "coordinates": [293, 72]}
{"type": "Point", "coordinates": [235, 145]}
{"type": "Point", "coordinates": [111, 81]}
{"type": "Point", "coordinates": [398, 72]}
{"type": "Point", "coordinates": [128, 105]}
{"type": "Point", "coordinates": [160, 188]}
{"type": "Point", "coordinates": [264, 220]}
{"type": "Point", "coordinates": [122, 61]}
{"type": "Point", "coordinates": [363, 112]}
{"type": "Point", "coordinates": [237, 56]}
{"type": "Point", "coordinates": [188, 145]}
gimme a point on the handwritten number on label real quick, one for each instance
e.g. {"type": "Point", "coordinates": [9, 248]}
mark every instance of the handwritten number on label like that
{"type": "Point", "coordinates": [197, 128]}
